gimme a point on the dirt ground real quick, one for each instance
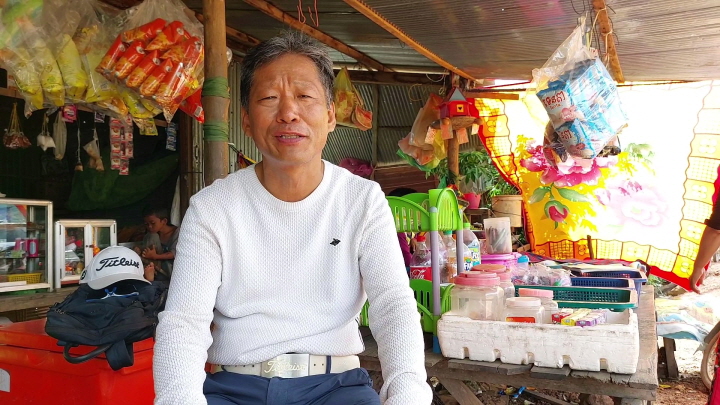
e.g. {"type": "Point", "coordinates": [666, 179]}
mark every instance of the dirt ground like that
{"type": "Point", "coordinates": [688, 390]}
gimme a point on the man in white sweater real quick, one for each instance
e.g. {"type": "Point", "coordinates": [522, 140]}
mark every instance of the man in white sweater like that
{"type": "Point", "coordinates": [280, 258]}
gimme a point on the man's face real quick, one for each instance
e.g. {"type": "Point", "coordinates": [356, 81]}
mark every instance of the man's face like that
{"type": "Point", "coordinates": [288, 117]}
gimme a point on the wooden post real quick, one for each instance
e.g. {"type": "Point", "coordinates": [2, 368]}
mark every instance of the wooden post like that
{"type": "Point", "coordinates": [187, 177]}
{"type": "Point", "coordinates": [606, 34]}
{"type": "Point", "coordinates": [216, 108]}
{"type": "Point", "coordinates": [453, 156]}
{"type": "Point", "coordinates": [375, 130]}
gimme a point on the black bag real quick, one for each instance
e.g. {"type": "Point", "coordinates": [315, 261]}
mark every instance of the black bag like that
{"type": "Point", "coordinates": [111, 319]}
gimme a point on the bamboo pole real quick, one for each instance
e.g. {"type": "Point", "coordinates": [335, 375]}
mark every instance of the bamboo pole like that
{"type": "Point", "coordinates": [215, 164]}
{"type": "Point", "coordinates": [606, 31]}
{"type": "Point", "coordinates": [453, 156]}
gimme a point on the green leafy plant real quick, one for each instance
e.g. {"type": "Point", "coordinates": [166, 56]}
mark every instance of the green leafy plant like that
{"type": "Point", "coordinates": [476, 167]}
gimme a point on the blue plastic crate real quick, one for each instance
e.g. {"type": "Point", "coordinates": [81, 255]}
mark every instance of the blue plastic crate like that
{"type": "Point", "coordinates": [606, 282]}
{"type": "Point", "coordinates": [637, 276]}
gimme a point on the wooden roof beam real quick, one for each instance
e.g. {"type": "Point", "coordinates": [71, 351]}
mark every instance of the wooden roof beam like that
{"type": "Point", "coordinates": [378, 19]}
{"type": "Point", "coordinates": [293, 22]}
{"type": "Point", "coordinates": [236, 35]}
{"type": "Point", "coordinates": [606, 32]}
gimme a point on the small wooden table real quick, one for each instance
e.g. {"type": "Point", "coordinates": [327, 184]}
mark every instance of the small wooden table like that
{"type": "Point", "coordinates": [630, 389]}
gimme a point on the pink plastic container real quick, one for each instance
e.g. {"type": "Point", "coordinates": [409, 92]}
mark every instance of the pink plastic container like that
{"type": "Point", "coordinates": [490, 268]}
{"type": "Point", "coordinates": [508, 260]}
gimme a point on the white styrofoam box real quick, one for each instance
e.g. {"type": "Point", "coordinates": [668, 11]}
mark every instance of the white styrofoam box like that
{"type": "Point", "coordinates": [614, 346]}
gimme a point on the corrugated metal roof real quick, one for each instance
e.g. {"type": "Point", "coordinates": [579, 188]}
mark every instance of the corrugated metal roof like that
{"type": "Point", "coordinates": [657, 39]}
{"type": "Point", "coordinates": [399, 104]}
{"type": "Point", "coordinates": [337, 19]}
{"type": "Point", "coordinates": [347, 142]}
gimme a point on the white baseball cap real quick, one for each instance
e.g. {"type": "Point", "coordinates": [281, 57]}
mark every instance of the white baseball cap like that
{"type": "Point", "coordinates": [113, 264]}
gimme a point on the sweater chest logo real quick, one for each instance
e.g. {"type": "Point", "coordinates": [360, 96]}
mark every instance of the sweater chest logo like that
{"type": "Point", "coordinates": [335, 242]}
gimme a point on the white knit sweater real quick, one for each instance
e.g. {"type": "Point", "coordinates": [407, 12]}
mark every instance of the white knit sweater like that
{"type": "Point", "coordinates": [266, 273]}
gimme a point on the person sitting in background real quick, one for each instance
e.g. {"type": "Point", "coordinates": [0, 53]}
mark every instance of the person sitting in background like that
{"type": "Point", "coordinates": [402, 236]}
{"type": "Point", "coordinates": [158, 245]}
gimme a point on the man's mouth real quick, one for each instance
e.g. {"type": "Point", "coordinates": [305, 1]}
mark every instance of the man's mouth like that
{"type": "Point", "coordinates": [289, 136]}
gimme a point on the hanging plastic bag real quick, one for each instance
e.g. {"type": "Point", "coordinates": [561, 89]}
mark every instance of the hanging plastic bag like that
{"type": "Point", "coordinates": [59, 136]}
{"type": "Point", "coordinates": [429, 113]}
{"type": "Point", "coordinates": [349, 107]}
{"type": "Point", "coordinates": [580, 97]}
{"type": "Point", "coordinates": [93, 150]}
{"type": "Point", "coordinates": [44, 140]}
{"type": "Point", "coordinates": [20, 66]}
{"type": "Point", "coordinates": [14, 137]}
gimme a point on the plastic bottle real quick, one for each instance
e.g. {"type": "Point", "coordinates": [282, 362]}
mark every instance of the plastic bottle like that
{"type": "Point", "coordinates": [448, 276]}
{"type": "Point", "coordinates": [477, 296]}
{"type": "Point", "coordinates": [421, 265]}
{"type": "Point", "coordinates": [473, 248]}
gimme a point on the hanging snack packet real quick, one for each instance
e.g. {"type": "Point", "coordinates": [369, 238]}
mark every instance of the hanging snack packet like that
{"type": "Point", "coordinates": [129, 60]}
{"type": "Point", "coordinates": [143, 70]}
{"type": "Point", "coordinates": [50, 76]}
{"type": "Point", "coordinates": [150, 105]}
{"type": "Point", "coordinates": [171, 85]}
{"type": "Point", "coordinates": [192, 106]}
{"type": "Point", "coordinates": [171, 35]}
{"type": "Point", "coordinates": [75, 78]}
{"type": "Point", "coordinates": [20, 66]}
{"type": "Point", "coordinates": [99, 88]}
{"type": "Point", "coordinates": [152, 83]}
{"type": "Point", "coordinates": [145, 32]}
{"type": "Point", "coordinates": [111, 57]}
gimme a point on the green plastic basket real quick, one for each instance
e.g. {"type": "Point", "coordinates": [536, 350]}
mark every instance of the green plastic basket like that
{"type": "Point", "coordinates": [412, 212]}
{"type": "Point", "coordinates": [588, 297]}
{"type": "Point", "coordinates": [423, 295]}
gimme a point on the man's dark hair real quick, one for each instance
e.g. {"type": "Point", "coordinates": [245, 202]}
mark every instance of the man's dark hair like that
{"type": "Point", "coordinates": [160, 212]}
{"type": "Point", "coordinates": [401, 192]}
{"type": "Point", "coordinates": [294, 42]}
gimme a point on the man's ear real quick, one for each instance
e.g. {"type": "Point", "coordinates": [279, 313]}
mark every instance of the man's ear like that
{"type": "Point", "coordinates": [246, 122]}
{"type": "Point", "coordinates": [332, 121]}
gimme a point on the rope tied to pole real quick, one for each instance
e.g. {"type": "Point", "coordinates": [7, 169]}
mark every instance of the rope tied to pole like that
{"type": "Point", "coordinates": [214, 130]}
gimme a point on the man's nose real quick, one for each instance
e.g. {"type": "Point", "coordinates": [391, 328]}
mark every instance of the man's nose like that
{"type": "Point", "coordinates": [288, 109]}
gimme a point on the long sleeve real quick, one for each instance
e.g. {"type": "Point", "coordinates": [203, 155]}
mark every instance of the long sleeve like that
{"type": "Point", "coordinates": [183, 333]}
{"type": "Point", "coordinates": [394, 320]}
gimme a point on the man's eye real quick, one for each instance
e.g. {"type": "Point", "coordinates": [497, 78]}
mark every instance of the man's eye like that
{"type": "Point", "coordinates": [305, 96]}
{"type": "Point", "coordinates": [268, 98]}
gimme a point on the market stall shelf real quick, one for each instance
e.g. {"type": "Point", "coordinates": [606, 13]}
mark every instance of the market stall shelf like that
{"type": "Point", "coordinates": [632, 388]}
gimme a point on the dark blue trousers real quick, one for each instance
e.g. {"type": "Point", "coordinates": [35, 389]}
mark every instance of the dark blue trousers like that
{"type": "Point", "coordinates": [352, 387]}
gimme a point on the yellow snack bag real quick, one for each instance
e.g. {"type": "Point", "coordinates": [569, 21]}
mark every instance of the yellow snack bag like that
{"type": "Point", "coordinates": [99, 88]}
{"type": "Point", "coordinates": [135, 107]}
{"type": "Point", "coordinates": [75, 78]}
{"type": "Point", "coordinates": [50, 76]}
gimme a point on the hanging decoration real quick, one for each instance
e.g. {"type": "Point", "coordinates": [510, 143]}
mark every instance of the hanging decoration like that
{"type": "Point", "coordinates": [44, 140]}
{"type": "Point", "coordinates": [14, 137]}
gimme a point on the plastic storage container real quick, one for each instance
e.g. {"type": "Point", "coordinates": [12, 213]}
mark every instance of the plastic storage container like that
{"type": "Point", "coordinates": [507, 260]}
{"type": "Point", "coordinates": [420, 265]}
{"type": "Point", "coordinates": [506, 284]}
{"type": "Point", "coordinates": [498, 235]}
{"type": "Point", "coordinates": [546, 299]}
{"type": "Point", "coordinates": [524, 310]}
{"type": "Point", "coordinates": [34, 371]}
{"type": "Point", "coordinates": [477, 296]}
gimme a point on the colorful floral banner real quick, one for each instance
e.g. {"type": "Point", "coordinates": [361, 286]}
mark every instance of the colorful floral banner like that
{"type": "Point", "coordinates": [647, 203]}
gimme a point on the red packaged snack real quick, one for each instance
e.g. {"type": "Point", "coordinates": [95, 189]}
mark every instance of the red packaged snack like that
{"type": "Point", "coordinates": [186, 51]}
{"type": "Point", "coordinates": [144, 32]}
{"type": "Point", "coordinates": [111, 56]}
{"type": "Point", "coordinates": [152, 83]}
{"type": "Point", "coordinates": [129, 60]}
{"type": "Point", "coordinates": [171, 85]}
{"type": "Point", "coordinates": [171, 35]}
{"type": "Point", "coordinates": [143, 70]}
{"type": "Point", "coordinates": [192, 106]}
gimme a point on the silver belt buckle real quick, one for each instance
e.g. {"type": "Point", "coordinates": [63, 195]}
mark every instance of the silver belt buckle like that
{"type": "Point", "coordinates": [287, 366]}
